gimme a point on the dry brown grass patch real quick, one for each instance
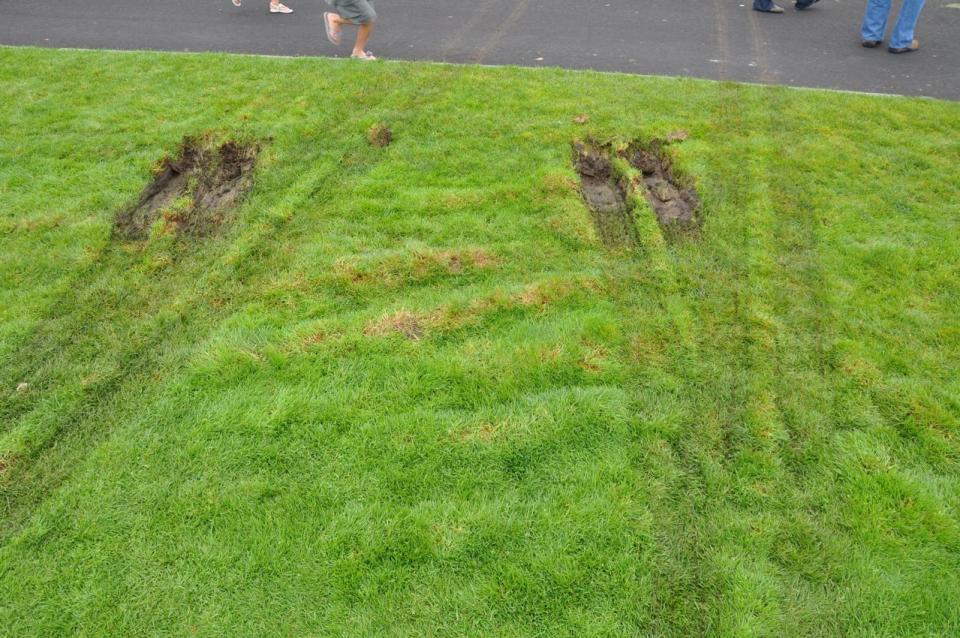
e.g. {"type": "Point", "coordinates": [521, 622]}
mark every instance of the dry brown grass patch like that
{"type": "Point", "coordinates": [453, 261]}
{"type": "Point", "coordinates": [397, 270]}
{"type": "Point", "coordinates": [484, 433]}
{"type": "Point", "coordinates": [542, 294]}
{"type": "Point", "coordinates": [593, 359]}
{"type": "Point", "coordinates": [647, 350]}
{"type": "Point", "coordinates": [316, 338]}
{"type": "Point", "coordinates": [456, 316]}
{"type": "Point", "coordinates": [403, 322]}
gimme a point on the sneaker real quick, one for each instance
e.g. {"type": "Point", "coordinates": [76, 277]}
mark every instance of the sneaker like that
{"type": "Point", "coordinates": [773, 9]}
{"type": "Point", "coordinates": [871, 44]}
{"type": "Point", "coordinates": [280, 8]}
{"type": "Point", "coordinates": [914, 46]}
{"type": "Point", "coordinates": [805, 4]}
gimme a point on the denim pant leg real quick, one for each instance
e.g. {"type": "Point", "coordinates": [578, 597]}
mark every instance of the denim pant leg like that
{"type": "Point", "coordinates": [762, 5]}
{"type": "Point", "coordinates": [875, 20]}
{"type": "Point", "coordinates": [902, 34]}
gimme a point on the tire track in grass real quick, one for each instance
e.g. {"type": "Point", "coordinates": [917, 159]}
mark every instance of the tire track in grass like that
{"type": "Point", "coordinates": [827, 513]}
{"type": "Point", "coordinates": [53, 334]}
{"type": "Point", "coordinates": [808, 552]}
{"type": "Point", "coordinates": [725, 396]}
{"type": "Point", "coordinates": [46, 461]}
{"type": "Point", "coordinates": [784, 314]}
{"type": "Point", "coordinates": [755, 425]}
{"type": "Point", "coordinates": [805, 544]}
{"type": "Point", "coordinates": [680, 439]}
{"type": "Point", "coordinates": [763, 542]}
{"type": "Point", "coordinates": [50, 440]}
{"type": "Point", "coordinates": [42, 448]}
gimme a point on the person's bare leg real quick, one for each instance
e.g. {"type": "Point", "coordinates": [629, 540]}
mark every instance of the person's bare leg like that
{"type": "Point", "coordinates": [363, 34]}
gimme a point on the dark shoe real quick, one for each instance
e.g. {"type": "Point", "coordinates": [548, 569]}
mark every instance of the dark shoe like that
{"type": "Point", "coordinates": [914, 46]}
{"type": "Point", "coordinates": [871, 44]}
{"type": "Point", "coordinates": [773, 9]}
{"type": "Point", "coordinates": [805, 4]}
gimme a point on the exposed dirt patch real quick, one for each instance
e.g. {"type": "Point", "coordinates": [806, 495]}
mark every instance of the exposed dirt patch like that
{"type": "Point", "coordinates": [673, 199]}
{"type": "Point", "coordinates": [194, 192]}
{"type": "Point", "coordinates": [605, 195]}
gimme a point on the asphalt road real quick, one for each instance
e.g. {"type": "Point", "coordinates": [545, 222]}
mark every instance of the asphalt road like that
{"type": "Point", "coordinates": [718, 39]}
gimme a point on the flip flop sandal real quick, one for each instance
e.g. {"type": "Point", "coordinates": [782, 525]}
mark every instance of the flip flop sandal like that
{"type": "Point", "coordinates": [280, 8]}
{"type": "Point", "coordinates": [333, 37]}
{"type": "Point", "coordinates": [236, 3]}
{"type": "Point", "coordinates": [366, 57]}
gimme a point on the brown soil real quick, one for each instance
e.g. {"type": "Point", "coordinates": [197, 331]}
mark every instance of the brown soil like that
{"type": "Point", "coordinates": [194, 192]}
{"type": "Point", "coordinates": [605, 195]}
{"type": "Point", "coordinates": [673, 199]}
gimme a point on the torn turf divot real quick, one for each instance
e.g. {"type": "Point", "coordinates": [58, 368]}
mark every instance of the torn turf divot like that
{"type": "Point", "coordinates": [674, 202]}
{"type": "Point", "coordinates": [672, 199]}
{"type": "Point", "coordinates": [605, 195]}
{"type": "Point", "coordinates": [193, 192]}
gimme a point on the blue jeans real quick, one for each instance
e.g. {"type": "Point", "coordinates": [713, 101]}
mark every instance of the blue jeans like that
{"type": "Point", "coordinates": [875, 22]}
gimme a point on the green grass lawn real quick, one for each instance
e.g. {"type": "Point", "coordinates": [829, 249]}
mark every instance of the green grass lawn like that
{"type": "Point", "coordinates": [753, 432]}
